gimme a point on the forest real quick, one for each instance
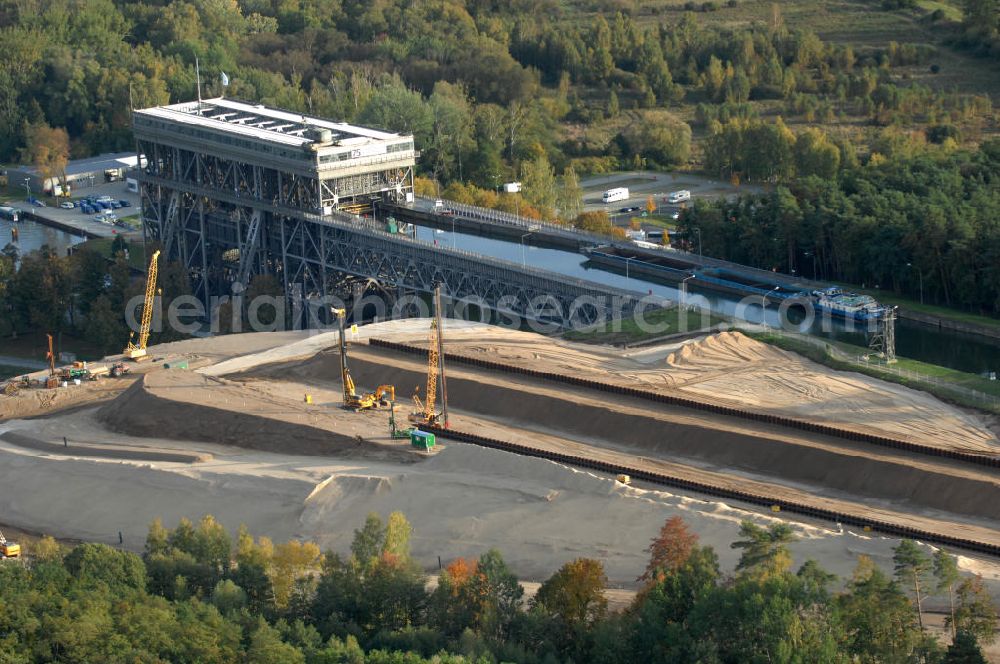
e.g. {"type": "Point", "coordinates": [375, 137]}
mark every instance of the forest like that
{"type": "Point", "coordinates": [192, 596]}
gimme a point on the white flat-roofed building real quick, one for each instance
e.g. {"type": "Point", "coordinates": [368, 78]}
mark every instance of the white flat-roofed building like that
{"type": "Point", "coordinates": [350, 164]}
{"type": "Point", "coordinates": [221, 180]}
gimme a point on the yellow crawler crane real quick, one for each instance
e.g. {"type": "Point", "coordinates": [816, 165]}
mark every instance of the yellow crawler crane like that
{"type": "Point", "coordinates": [352, 399]}
{"type": "Point", "coordinates": [425, 412]}
{"type": "Point", "coordinates": [137, 352]}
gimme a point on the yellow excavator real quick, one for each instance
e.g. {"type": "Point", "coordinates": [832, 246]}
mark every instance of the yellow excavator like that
{"type": "Point", "coordinates": [353, 400]}
{"type": "Point", "coordinates": [9, 549]}
{"type": "Point", "coordinates": [425, 412]}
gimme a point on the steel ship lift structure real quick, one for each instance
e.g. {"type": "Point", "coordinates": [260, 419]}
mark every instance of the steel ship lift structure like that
{"type": "Point", "coordinates": [232, 190]}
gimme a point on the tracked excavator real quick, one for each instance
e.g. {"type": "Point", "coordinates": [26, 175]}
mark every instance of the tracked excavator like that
{"type": "Point", "coordinates": [9, 549]}
{"type": "Point", "coordinates": [353, 400]}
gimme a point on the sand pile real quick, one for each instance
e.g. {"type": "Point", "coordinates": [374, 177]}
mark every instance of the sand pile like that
{"type": "Point", "coordinates": [671, 434]}
{"type": "Point", "coordinates": [732, 369]}
{"type": "Point", "coordinates": [183, 405]}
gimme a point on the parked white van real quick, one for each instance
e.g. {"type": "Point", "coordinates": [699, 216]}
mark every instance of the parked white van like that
{"type": "Point", "coordinates": [612, 195]}
{"type": "Point", "coordinates": [679, 196]}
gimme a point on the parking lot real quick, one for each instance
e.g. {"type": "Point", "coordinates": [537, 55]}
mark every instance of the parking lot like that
{"type": "Point", "coordinates": [87, 223]}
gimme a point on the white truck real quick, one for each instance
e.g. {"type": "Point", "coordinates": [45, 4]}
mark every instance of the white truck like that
{"type": "Point", "coordinates": [614, 195]}
{"type": "Point", "coordinates": [681, 196]}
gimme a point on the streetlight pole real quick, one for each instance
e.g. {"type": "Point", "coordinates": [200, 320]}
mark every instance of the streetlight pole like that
{"type": "Point", "coordinates": [698, 231]}
{"type": "Point", "coordinates": [27, 195]}
{"type": "Point", "coordinates": [763, 306]}
{"type": "Point", "coordinates": [523, 262]}
{"type": "Point", "coordinates": [684, 289]}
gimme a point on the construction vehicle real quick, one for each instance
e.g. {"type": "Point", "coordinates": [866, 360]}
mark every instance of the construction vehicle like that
{"type": "Point", "coordinates": [119, 369]}
{"type": "Point", "coordinates": [52, 381]}
{"type": "Point", "coordinates": [425, 412]}
{"type": "Point", "coordinates": [9, 549]}
{"type": "Point", "coordinates": [73, 373]}
{"type": "Point", "coordinates": [98, 372]}
{"type": "Point", "coordinates": [353, 400]}
{"type": "Point", "coordinates": [395, 432]}
{"type": "Point", "coordinates": [137, 352]}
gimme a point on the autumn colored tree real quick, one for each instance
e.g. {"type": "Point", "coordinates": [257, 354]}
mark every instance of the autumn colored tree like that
{"type": "Point", "coordinates": [574, 595]}
{"type": "Point", "coordinates": [975, 612]}
{"type": "Point", "coordinates": [669, 549]}
{"type": "Point", "coordinates": [448, 612]}
{"type": "Point", "coordinates": [47, 149]}
{"type": "Point", "coordinates": [289, 562]}
{"type": "Point", "coordinates": [494, 596]}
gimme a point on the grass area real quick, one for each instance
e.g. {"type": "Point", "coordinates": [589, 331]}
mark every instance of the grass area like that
{"type": "Point", "coordinates": [660, 221]}
{"type": "Point", "coordinates": [944, 383]}
{"type": "Point", "coordinates": [102, 245]}
{"type": "Point", "coordinates": [35, 345]}
{"type": "Point", "coordinates": [951, 12]}
{"type": "Point", "coordinates": [656, 323]}
{"type": "Point", "coordinates": [931, 309]}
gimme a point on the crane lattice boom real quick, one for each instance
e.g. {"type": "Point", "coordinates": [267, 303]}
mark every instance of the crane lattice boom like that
{"type": "Point", "coordinates": [139, 350]}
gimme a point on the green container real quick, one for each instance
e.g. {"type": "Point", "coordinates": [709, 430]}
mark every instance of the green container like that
{"type": "Point", "coordinates": [176, 365]}
{"type": "Point", "coordinates": [421, 440]}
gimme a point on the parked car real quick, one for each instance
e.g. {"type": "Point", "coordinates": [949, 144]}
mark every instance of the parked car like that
{"type": "Point", "coordinates": [115, 205]}
{"type": "Point", "coordinates": [630, 208]}
{"type": "Point", "coordinates": [86, 209]}
{"type": "Point", "coordinates": [104, 199]}
{"type": "Point", "coordinates": [122, 224]}
{"type": "Point", "coordinates": [67, 205]}
{"type": "Point", "coordinates": [124, 203]}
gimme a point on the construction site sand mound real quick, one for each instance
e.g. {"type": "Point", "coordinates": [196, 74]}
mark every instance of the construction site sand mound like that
{"type": "Point", "coordinates": [184, 405]}
{"type": "Point", "coordinates": [651, 431]}
{"type": "Point", "coordinates": [732, 369]}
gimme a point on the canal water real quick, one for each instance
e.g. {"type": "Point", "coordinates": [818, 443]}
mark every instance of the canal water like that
{"type": "Point", "coordinates": [32, 236]}
{"type": "Point", "coordinates": [964, 352]}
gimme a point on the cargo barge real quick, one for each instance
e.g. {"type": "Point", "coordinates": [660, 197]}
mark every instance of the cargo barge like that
{"type": "Point", "coordinates": [669, 268]}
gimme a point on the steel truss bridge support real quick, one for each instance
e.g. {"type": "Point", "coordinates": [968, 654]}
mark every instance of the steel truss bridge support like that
{"type": "Point", "coordinates": [311, 253]}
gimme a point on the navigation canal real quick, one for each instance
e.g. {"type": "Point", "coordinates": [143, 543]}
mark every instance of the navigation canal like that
{"type": "Point", "coordinates": [964, 352]}
{"type": "Point", "coordinates": [32, 236]}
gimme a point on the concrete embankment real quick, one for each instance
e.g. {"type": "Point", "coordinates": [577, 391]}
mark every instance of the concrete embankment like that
{"type": "Point", "coordinates": [942, 323]}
